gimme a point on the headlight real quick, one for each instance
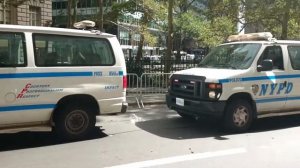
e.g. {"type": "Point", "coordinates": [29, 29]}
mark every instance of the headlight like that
{"type": "Point", "coordinates": [212, 94]}
{"type": "Point", "coordinates": [214, 90]}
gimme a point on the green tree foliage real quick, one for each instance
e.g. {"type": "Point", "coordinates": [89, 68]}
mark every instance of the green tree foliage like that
{"type": "Point", "coordinates": [180, 9]}
{"type": "Point", "coordinates": [212, 25]}
{"type": "Point", "coordinates": [100, 15]}
{"type": "Point", "coordinates": [281, 17]}
{"type": "Point", "coordinates": [170, 36]}
{"type": "Point", "coordinates": [150, 10]}
{"type": "Point", "coordinates": [72, 12]}
{"type": "Point", "coordinates": [209, 25]}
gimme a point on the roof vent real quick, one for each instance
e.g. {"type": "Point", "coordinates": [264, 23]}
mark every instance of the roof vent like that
{"type": "Point", "coordinates": [251, 37]}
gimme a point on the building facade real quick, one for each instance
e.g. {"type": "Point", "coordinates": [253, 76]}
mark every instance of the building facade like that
{"type": "Point", "coordinates": [30, 12]}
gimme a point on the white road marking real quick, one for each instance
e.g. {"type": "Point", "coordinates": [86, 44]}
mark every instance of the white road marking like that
{"type": "Point", "coordinates": [189, 157]}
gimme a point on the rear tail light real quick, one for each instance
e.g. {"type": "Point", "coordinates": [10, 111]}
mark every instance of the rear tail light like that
{"type": "Point", "coordinates": [124, 82]}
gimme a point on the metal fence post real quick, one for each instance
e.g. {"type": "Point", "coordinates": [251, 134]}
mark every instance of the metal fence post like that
{"type": "Point", "coordinates": [133, 87]}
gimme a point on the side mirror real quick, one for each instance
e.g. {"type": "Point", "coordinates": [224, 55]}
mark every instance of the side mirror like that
{"type": "Point", "coordinates": [267, 65]}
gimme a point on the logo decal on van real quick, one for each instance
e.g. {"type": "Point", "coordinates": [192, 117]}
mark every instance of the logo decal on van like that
{"type": "Point", "coordinates": [111, 87]}
{"type": "Point", "coordinates": [272, 89]}
{"type": "Point", "coordinates": [98, 73]}
{"type": "Point", "coordinates": [115, 73]}
{"type": "Point", "coordinates": [255, 89]}
{"type": "Point", "coordinates": [33, 91]}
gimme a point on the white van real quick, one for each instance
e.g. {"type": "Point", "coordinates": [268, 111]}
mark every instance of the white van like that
{"type": "Point", "coordinates": [60, 78]}
{"type": "Point", "coordinates": [253, 76]}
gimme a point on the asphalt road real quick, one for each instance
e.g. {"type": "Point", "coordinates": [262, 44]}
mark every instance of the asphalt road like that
{"type": "Point", "coordinates": [158, 137]}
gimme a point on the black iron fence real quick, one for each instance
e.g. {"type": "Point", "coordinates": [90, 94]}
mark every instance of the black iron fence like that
{"type": "Point", "coordinates": [157, 66]}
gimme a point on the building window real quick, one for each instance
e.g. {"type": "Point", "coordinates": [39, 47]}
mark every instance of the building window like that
{"type": "Point", "coordinates": [54, 5]}
{"type": "Point", "coordinates": [64, 5]}
{"type": "Point", "coordinates": [35, 16]}
{"type": "Point", "coordinates": [59, 5]}
{"type": "Point", "coordinates": [7, 16]}
{"type": "Point", "coordinates": [124, 37]}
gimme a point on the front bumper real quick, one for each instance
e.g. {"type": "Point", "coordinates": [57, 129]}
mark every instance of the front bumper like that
{"type": "Point", "coordinates": [197, 108]}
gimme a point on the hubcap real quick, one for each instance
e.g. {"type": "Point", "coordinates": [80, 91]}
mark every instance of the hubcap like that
{"type": "Point", "coordinates": [240, 116]}
{"type": "Point", "coordinates": [76, 122]}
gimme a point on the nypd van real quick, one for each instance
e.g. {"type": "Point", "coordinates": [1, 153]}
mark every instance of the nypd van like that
{"type": "Point", "coordinates": [59, 78]}
{"type": "Point", "coordinates": [252, 76]}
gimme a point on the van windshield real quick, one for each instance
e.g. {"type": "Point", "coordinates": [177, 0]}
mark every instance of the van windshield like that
{"type": "Point", "coordinates": [231, 56]}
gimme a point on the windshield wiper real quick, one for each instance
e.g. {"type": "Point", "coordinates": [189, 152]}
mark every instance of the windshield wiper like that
{"type": "Point", "coordinates": [232, 67]}
{"type": "Point", "coordinates": [217, 66]}
{"type": "Point", "coordinates": [226, 66]}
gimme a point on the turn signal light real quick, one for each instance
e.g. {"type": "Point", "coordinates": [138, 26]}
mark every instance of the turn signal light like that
{"type": "Point", "coordinates": [214, 86]}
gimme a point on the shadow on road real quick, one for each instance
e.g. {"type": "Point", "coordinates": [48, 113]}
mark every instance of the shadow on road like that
{"type": "Point", "coordinates": [275, 123]}
{"type": "Point", "coordinates": [23, 140]}
{"type": "Point", "coordinates": [179, 128]}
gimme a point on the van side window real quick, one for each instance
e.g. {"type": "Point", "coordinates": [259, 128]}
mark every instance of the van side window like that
{"type": "Point", "coordinates": [59, 50]}
{"type": "Point", "coordinates": [12, 50]}
{"type": "Point", "coordinates": [294, 53]}
{"type": "Point", "coordinates": [273, 53]}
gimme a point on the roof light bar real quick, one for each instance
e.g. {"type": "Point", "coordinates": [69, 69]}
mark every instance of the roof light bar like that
{"type": "Point", "coordinates": [84, 24]}
{"type": "Point", "coordinates": [251, 37]}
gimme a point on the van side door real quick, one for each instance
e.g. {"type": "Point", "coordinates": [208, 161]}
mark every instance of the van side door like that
{"type": "Point", "coordinates": [13, 60]}
{"type": "Point", "coordinates": [271, 86]}
{"type": "Point", "coordinates": [293, 85]}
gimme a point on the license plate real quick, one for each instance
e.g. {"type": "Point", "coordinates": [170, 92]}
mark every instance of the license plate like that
{"type": "Point", "coordinates": [180, 102]}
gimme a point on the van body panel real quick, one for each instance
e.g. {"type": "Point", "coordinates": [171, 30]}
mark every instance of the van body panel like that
{"type": "Point", "coordinates": [31, 86]}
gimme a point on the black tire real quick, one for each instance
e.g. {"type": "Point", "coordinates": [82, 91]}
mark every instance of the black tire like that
{"type": "Point", "coordinates": [238, 116]}
{"type": "Point", "coordinates": [74, 121]}
{"type": "Point", "coordinates": [186, 116]}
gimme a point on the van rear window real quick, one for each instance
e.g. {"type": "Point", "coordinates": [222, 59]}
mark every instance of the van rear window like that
{"type": "Point", "coordinates": [12, 50]}
{"type": "Point", "coordinates": [59, 50]}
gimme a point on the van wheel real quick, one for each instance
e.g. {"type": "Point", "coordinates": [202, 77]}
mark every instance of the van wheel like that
{"type": "Point", "coordinates": [74, 122]}
{"type": "Point", "coordinates": [238, 116]}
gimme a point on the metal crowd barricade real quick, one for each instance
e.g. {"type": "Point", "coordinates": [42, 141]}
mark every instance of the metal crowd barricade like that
{"type": "Point", "coordinates": [153, 84]}
{"type": "Point", "coordinates": [133, 87]}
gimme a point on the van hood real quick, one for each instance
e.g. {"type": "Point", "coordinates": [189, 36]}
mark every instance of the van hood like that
{"type": "Point", "coordinates": [212, 75]}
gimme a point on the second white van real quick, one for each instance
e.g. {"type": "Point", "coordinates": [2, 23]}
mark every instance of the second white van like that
{"type": "Point", "coordinates": [59, 78]}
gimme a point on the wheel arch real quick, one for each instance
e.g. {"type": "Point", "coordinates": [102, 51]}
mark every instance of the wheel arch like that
{"type": "Point", "coordinates": [77, 98]}
{"type": "Point", "coordinates": [245, 96]}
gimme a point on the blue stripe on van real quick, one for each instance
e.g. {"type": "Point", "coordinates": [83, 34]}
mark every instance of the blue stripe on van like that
{"type": "Point", "coordinates": [270, 100]}
{"type": "Point", "coordinates": [277, 99]}
{"type": "Point", "coordinates": [293, 98]}
{"type": "Point", "coordinates": [27, 107]}
{"type": "Point", "coordinates": [45, 75]}
{"type": "Point", "coordinates": [247, 79]}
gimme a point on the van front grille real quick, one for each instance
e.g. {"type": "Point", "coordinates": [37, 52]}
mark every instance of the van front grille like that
{"type": "Point", "coordinates": [187, 86]}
